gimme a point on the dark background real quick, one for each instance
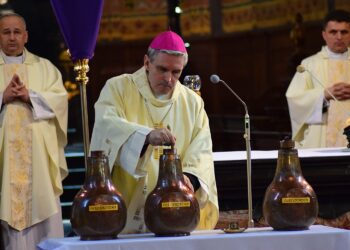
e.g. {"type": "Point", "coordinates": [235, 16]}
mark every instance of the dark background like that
{"type": "Point", "coordinates": [258, 65]}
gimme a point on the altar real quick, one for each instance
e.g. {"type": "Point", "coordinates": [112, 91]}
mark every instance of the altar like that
{"type": "Point", "coordinates": [326, 169]}
{"type": "Point", "coordinates": [316, 238]}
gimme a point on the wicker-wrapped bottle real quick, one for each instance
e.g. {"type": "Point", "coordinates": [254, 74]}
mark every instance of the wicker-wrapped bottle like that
{"type": "Point", "coordinates": [171, 209]}
{"type": "Point", "coordinates": [290, 203]}
{"type": "Point", "coordinates": [98, 210]}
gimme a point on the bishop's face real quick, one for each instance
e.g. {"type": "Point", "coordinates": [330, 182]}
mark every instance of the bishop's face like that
{"type": "Point", "coordinates": [13, 35]}
{"type": "Point", "coordinates": [337, 36]}
{"type": "Point", "coordinates": [163, 72]}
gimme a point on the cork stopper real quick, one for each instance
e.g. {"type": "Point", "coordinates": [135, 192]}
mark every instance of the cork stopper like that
{"type": "Point", "coordinates": [169, 151]}
{"type": "Point", "coordinates": [287, 143]}
{"type": "Point", "coordinates": [97, 153]}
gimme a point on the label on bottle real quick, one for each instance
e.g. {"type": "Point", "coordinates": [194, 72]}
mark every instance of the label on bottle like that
{"type": "Point", "coordinates": [296, 200]}
{"type": "Point", "coordinates": [101, 208]}
{"type": "Point", "coordinates": [175, 204]}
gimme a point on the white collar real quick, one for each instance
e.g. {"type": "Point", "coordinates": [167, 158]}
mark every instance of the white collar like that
{"type": "Point", "coordinates": [13, 59]}
{"type": "Point", "coordinates": [333, 55]}
{"type": "Point", "coordinates": [163, 97]}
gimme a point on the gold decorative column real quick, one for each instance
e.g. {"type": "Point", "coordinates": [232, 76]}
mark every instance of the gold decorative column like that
{"type": "Point", "coordinates": [81, 67]}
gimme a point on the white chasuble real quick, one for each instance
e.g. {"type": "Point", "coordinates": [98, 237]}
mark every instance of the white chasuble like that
{"type": "Point", "coordinates": [32, 168]}
{"type": "Point", "coordinates": [338, 111]}
{"type": "Point", "coordinates": [126, 106]}
{"type": "Point", "coordinates": [19, 150]}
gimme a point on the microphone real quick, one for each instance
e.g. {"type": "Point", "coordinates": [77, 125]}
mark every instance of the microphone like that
{"type": "Point", "coordinates": [302, 69]}
{"type": "Point", "coordinates": [216, 79]}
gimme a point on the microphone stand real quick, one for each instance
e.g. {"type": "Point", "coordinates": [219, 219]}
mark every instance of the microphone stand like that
{"type": "Point", "coordinates": [302, 69]}
{"type": "Point", "coordinates": [249, 160]}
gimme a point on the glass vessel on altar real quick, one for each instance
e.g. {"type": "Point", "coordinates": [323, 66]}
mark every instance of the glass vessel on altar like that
{"type": "Point", "coordinates": [193, 82]}
{"type": "Point", "coordinates": [290, 203]}
{"type": "Point", "coordinates": [171, 209]}
{"type": "Point", "coordinates": [98, 210]}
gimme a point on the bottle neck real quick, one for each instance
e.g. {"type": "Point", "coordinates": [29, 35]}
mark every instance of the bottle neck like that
{"type": "Point", "coordinates": [288, 162]}
{"type": "Point", "coordinates": [170, 171]}
{"type": "Point", "coordinates": [97, 171]}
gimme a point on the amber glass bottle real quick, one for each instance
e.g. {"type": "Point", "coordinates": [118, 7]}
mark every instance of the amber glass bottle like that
{"type": "Point", "coordinates": [290, 203]}
{"type": "Point", "coordinates": [98, 210]}
{"type": "Point", "coordinates": [171, 209]}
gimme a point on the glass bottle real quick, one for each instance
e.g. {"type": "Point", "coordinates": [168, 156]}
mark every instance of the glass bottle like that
{"type": "Point", "coordinates": [171, 209]}
{"type": "Point", "coordinates": [98, 210]}
{"type": "Point", "coordinates": [193, 82]}
{"type": "Point", "coordinates": [290, 203]}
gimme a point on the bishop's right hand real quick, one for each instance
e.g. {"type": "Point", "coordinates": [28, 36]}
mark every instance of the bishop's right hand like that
{"type": "Point", "coordinates": [160, 136]}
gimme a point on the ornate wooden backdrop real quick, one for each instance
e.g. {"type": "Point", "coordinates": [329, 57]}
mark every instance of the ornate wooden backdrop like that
{"type": "Point", "coordinates": [246, 42]}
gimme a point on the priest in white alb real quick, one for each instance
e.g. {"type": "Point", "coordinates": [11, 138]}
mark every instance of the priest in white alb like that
{"type": "Point", "coordinates": [33, 133]}
{"type": "Point", "coordinates": [319, 97]}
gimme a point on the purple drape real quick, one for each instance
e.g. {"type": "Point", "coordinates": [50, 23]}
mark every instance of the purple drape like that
{"type": "Point", "coordinates": [79, 21]}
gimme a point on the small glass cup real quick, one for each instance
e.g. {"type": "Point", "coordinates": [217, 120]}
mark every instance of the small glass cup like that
{"type": "Point", "coordinates": [193, 82]}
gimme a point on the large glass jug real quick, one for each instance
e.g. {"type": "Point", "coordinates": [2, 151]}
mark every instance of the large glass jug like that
{"type": "Point", "coordinates": [290, 203]}
{"type": "Point", "coordinates": [171, 209]}
{"type": "Point", "coordinates": [98, 210]}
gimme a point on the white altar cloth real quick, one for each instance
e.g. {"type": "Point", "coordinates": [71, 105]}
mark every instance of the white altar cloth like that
{"type": "Point", "coordinates": [316, 238]}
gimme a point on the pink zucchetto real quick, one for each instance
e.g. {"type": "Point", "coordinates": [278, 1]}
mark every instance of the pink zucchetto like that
{"type": "Point", "coordinates": [168, 40]}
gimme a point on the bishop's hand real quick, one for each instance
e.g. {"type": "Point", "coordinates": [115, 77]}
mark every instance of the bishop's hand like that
{"type": "Point", "coordinates": [160, 136]}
